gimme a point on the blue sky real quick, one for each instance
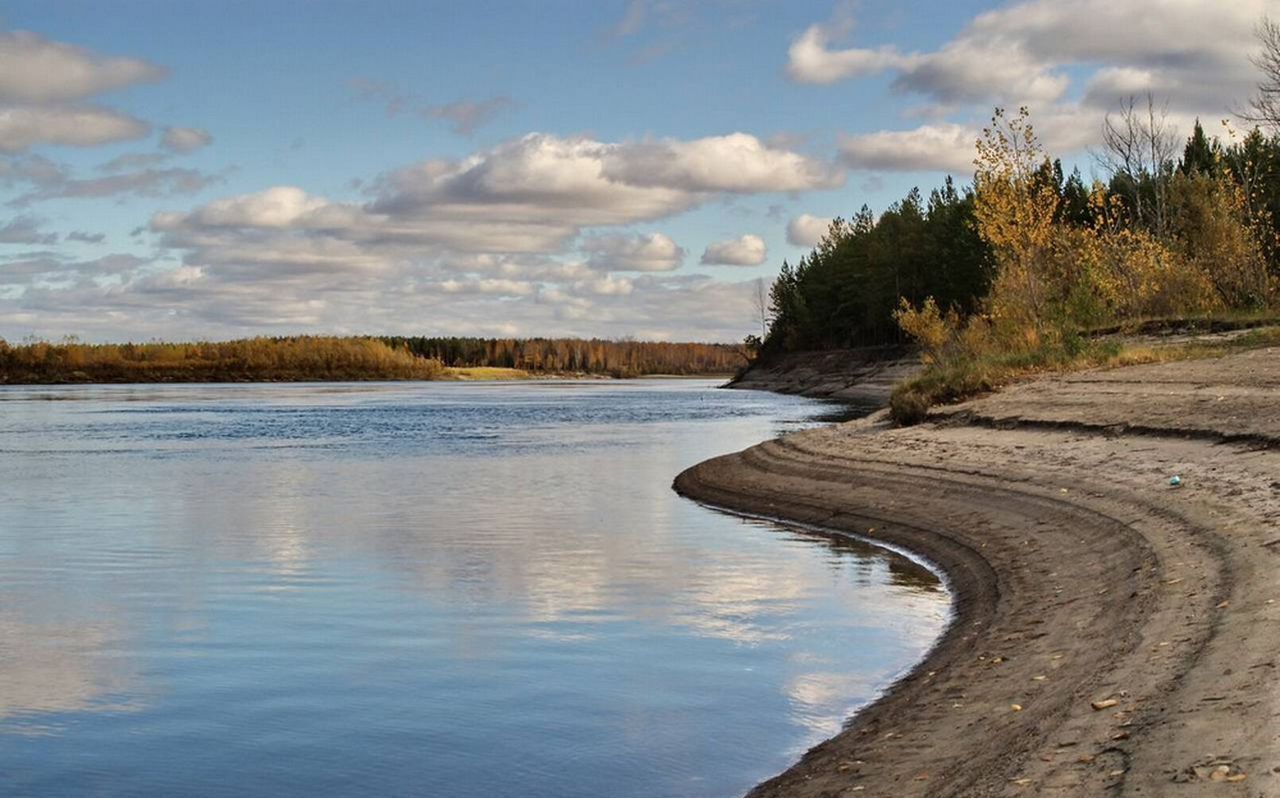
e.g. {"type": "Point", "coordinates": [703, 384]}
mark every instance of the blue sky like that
{"type": "Point", "coordinates": [208, 170]}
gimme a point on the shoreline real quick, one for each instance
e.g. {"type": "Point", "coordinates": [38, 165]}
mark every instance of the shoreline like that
{"type": "Point", "coordinates": [1111, 634]}
{"type": "Point", "coordinates": [452, 374]}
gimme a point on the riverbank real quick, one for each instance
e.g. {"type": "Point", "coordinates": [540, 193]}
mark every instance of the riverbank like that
{"type": "Point", "coordinates": [1113, 633]}
{"type": "Point", "coordinates": [864, 376]}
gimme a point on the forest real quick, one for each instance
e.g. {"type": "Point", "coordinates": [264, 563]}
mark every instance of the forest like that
{"type": "Point", "coordinates": [1024, 269]}
{"type": "Point", "coordinates": [298, 358]}
{"type": "Point", "coordinates": [578, 356]}
{"type": "Point", "coordinates": [328, 358]}
{"type": "Point", "coordinates": [1191, 230]}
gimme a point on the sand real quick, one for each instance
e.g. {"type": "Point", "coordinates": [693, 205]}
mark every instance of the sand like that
{"type": "Point", "coordinates": [1112, 635]}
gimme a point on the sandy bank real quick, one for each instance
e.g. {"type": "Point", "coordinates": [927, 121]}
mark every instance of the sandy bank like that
{"type": "Point", "coordinates": [857, 376]}
{"type": "Point", "coordinates": [1113, 634]}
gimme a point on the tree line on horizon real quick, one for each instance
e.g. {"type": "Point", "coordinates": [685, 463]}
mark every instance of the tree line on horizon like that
{"type": "Point", "coordinates": [333, 358]}
{"type": "Point", "coordinates": [281, 359]}
{"type": "Point", "coordinates": [621, 358]}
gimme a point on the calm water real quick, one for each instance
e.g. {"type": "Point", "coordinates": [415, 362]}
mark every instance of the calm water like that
{"type": "Point", "coordinates": [445, 589]}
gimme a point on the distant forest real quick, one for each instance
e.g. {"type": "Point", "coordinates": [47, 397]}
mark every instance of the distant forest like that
{"type": "Point", "coordinates": [576, 355]}
{"type": "Point", "coordinates": [328, 358]}
{"type": "Point", "coordinates": [302, 358]}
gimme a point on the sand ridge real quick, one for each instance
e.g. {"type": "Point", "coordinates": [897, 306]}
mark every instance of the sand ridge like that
{"type": "Point", "coordinates": [1113, 634]}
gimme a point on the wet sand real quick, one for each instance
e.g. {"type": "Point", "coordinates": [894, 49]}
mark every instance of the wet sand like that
{"type": "Point", "coordinates": [1113, 634]}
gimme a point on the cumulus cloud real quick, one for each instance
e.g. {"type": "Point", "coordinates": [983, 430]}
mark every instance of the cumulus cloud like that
{"type": "Point", "coordinates": [191, 300]}
{"type": "Point", "coordinates": [86, 238]}
{"type": "Point", "coordinates": [35, 70]}
{"type": "Point", "coordinates": [26, 230]}
{"type": "Point", "coordinates": [548, 183]}
{"type": "Point", "coordinates": [280, 206]}
{"type": "Point", "coordinates": [23, 126]}
{"type": "Point", "coordinates": [653, 252]}
{"type": "Point", "coordinates": [488, 285]}
{"type": "Point", "coordinates": [1186, 53]}
{"type": "Point", "coordinates": [747, 250]}
{"type": "Point", "coordinates": [524, 222]}
{"type": "Point", "coordinates": [1021, 53]}
{"type": "Point", "coordinates": [606, 285]}
{"type": "Point", "coordinates": [950, 147]}
{"type": "Point", "coordinates": [944, 147]}
{"type": "Point", "coordinates": [185, 139]}
{"type": "Point", "coordinates": [810, 58]}
{"type": "Point", "coordinates": [807, 230]}
{"type": "Point", "coordinates": [43, 85]}
{"type": "Point", "coordinates": [498, 223]}
{"type": "Point", "coordinates": [737, 163]}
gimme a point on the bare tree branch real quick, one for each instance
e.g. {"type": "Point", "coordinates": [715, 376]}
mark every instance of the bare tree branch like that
{"type": "Point", "coordinates": [1264, 106]}
{"type": "Point", "coordinates": [1139, 147]}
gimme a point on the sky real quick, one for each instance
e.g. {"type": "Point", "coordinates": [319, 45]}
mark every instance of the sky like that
{"type": "Point", "coordinates": [206, 170]}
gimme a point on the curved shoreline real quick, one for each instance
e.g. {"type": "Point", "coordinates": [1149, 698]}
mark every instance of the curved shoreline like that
{"type": "Point", "coordinates": [1110, 634]}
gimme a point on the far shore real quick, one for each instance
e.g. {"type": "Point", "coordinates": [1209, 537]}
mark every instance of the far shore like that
{"type": "Point", "coordinates": [448, 374]}
{"type": "Point", "coordinates": [1111, 541]}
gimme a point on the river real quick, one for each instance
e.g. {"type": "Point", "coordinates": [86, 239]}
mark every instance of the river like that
{"type": "Point", "coordinates": [444, 589]}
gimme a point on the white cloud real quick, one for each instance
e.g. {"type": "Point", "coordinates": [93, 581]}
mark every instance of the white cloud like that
{"type": "Point", "coordinates": [1194, 51]}
{"type": "Point", "coordinates": [950, 147]}
{"type": "Point", "coordinates": [811, 60]}
{"type": "Point", "coordinates": [1191, 55]}
{"type": "Point", "coordinates": [737, 163]}
{"type": "Point", "coordinates": [530, 195]}
{"type": "Point", "coordinates": [437, 239]}
{"type": "Point", "coordinates": [185, 139]}
{"type": "Point", "coordinates": [43, 86]}
{"type": "Point", "coordinates": [981, 70]}
{"type": "Point", "coordinates": [34, 69]}
{"type": "Point", "coordinates": [489, 286]}
{"type": "Point", "coordinates": [280, 206]}
{"type": "Point", "coordinates": [553, 183]}
{"type": "Point", "coordinates": [807, 230]}
{"type": "Point", "coordinates": [653, 252]}
{"type": "Point", "coordinates": [944, 147]}
{"type": "Point", "coordinates": [24, 126]}
{"type": "Point", "coordinates": [747, 250]}
{"type": "Point", "coordinates": [608, 285]}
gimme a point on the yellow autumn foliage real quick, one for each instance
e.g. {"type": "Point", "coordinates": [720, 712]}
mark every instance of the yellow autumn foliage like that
{"type": "Point", "coordinates": [1055, 280]}
{"type": "Point", "coordinates": [274, 359]}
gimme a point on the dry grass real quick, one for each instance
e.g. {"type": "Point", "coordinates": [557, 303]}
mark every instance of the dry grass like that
{"type": "Point", "coordinates": [966, 379]}
{"type": "Point", "coordinates": [485, 374]}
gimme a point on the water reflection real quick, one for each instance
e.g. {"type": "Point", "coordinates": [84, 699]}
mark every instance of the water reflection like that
{"type": "Point", "coordinates": [54, 668]}
{"type": "Point", "coordinates": [327, 589]}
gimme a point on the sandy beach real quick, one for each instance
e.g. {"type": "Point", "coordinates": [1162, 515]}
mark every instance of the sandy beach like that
{"type": "Point", "coordinates": [1113, 633]}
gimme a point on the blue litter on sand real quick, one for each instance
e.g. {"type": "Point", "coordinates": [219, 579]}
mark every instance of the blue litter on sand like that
{"type": "Point", "coordinates": [1175, 480]}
